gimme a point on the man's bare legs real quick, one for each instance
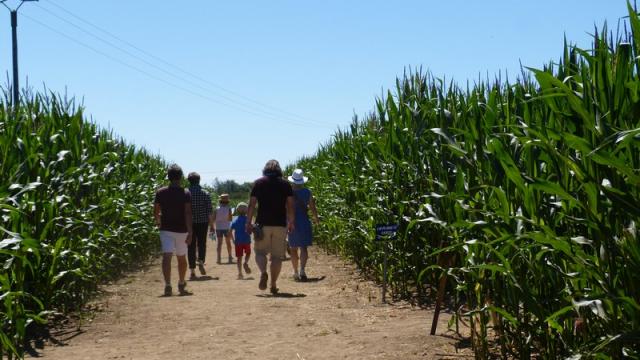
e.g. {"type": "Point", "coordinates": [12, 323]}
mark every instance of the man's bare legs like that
{"type": "Point", "coordinates": [182, 268]}
{"type": "Point", "coordinates": [166, 271]}
{"type": "Point", "coordinates": [276, 266]}
{"type": "Point", "coordinates": [166, 267]}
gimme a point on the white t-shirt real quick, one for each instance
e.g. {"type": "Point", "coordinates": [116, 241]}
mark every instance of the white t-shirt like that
{"type": "Point", "coordinates": [222, 217]}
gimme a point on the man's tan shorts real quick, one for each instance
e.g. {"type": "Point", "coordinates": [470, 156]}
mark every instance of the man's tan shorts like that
{"type": "Point", "coordinates": [273, 241]}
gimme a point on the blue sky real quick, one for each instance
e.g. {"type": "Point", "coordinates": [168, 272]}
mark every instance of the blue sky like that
{"type": "Point", "coordinates": [220, 87]}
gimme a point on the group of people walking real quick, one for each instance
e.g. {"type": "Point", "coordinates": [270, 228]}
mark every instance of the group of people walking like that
{"type": "Point", "coordinates": [281, 210]}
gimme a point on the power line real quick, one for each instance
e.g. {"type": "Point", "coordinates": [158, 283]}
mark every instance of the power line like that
{"type": "Point", "coordinates": [281, 113]}
{"type": "Point", "coordinates": [140, 58]}
{"type": "Point", "coordinates": [180, 78]}
{"type": "Point", "coordinates": [146, 73]}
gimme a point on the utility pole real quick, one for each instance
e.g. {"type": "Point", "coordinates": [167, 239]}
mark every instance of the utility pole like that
{"type": "Point", "coordinates": [14, 38]}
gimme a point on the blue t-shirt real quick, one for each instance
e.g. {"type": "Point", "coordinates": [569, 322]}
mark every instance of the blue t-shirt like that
{"type": "Point", "coordinates": [240, 233]}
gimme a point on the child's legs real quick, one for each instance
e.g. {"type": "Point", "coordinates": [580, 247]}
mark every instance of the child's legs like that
{"type": "Point", "coordinates": [227, 238]}
{"type": "Point", "coordinates": [238, 249]}
{"type": "Point", "coordinates": [239, 264]}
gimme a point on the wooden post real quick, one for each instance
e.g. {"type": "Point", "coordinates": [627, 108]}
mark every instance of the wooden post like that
{"type": "Point", "coordinates": [384, 275]}
{"type": "Point", "coordinates": [436, 312]}
{"type": "Point", "coordinates": [445, 261]}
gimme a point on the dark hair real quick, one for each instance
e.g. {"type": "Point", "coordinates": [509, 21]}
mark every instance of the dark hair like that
{"type": "Point", "coordinates": [272, 169]}
{"type": "Point", "coordinates": [194, 178]}
{"type": "Point", "coordinates": [174, 172]}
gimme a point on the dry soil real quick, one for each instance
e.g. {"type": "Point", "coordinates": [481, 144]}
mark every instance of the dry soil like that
{"type": "Point", "coordinates": [336, 315]}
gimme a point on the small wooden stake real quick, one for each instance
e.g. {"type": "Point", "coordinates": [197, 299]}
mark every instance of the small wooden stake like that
{"type": "Point", "coordinates": [436, 312]}
{"type": "Point", "coordinates": [445, 261]}
{"type": "Point", "coordinates": [384, 276]}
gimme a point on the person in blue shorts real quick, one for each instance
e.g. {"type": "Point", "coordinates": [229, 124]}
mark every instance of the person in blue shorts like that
{"type": "Point", "coordinates": [301, 237]}
{"type": "Point", "coordinates": [242, 239]}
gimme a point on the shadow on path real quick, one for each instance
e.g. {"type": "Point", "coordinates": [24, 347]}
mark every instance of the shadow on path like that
{"type": "Point", "coordinates": [282, 295]}
{"type": "Point", "coordinates": [188, 293]}
{"type": "Point", "coordinates": [312, 279]}
{"type": "Point", "coordinates": [205, 278]}
{"type": "Point", "coordinates": [36, 341]}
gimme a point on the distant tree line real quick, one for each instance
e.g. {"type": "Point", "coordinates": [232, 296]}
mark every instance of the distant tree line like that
{"type": "Point", "coordinates": [237, 192]}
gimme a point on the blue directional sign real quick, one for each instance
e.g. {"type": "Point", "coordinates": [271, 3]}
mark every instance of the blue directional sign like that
{"type": "Point", "coordinates": [386, 230]}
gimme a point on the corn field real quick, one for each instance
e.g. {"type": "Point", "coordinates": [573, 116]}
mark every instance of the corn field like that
{"type": "Point", "coordinates": [75, 206]}
{"type": "Point", "coordinates": [529, 189]}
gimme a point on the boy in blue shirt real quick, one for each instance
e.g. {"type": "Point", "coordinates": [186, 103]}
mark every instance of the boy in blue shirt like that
{"type": "Point", "coordinates": [242, 240]}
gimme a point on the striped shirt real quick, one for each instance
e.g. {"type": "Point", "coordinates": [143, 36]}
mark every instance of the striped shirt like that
{"type": "Point", "coordinates": [200, 204]}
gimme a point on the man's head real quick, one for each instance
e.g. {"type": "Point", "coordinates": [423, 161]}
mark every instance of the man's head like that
{"type": "Point", "coordinates": [272, 169]}
{"type": "Point", "coordinates": [174, 173]}
{"type": "Point", "coordinates": [194, 178]}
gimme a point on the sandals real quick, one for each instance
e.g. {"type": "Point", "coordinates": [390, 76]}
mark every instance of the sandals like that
{"type": "Point", "coordinates": [167, 290]}
{"type": "Point", "coordinates": [262, 285]}
{"type": "Point", "coordinates": [274, 290]}
{"type": "Point", "coordinates": [182, 291]}
{"type": "Point", "coordinates": [247, 269]}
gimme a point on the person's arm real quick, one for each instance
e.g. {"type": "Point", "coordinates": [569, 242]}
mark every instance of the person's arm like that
{"type": "Point", "coordinates": [314, 210]}
{"type": "Point", "coordinates": [156, 213]}
{"type": "Point", "coordinates": [213, 219]}
{"type": "Point", "coordinates": [189, 220]}
{"type": "Point", "coordinates": [230, 214]}
{"type": "Point", "coordinates": [232, 235]}
{"type": "Point", "coordinates": [211, 214]}
{"type": "Point", "coordinates": [252, 205]}
{"type": "Point", "coordinates": [291, 214]}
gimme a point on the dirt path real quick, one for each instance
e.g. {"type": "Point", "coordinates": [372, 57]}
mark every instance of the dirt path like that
{"type": "Point", "coordinates": [337, 316]}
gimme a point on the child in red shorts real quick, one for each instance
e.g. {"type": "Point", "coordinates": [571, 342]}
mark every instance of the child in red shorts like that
{"type": "Point", "coordinates": [242, 240]}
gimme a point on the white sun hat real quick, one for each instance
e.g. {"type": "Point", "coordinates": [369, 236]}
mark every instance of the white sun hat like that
{"type": "Point", "coordinates": [297, 177]}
